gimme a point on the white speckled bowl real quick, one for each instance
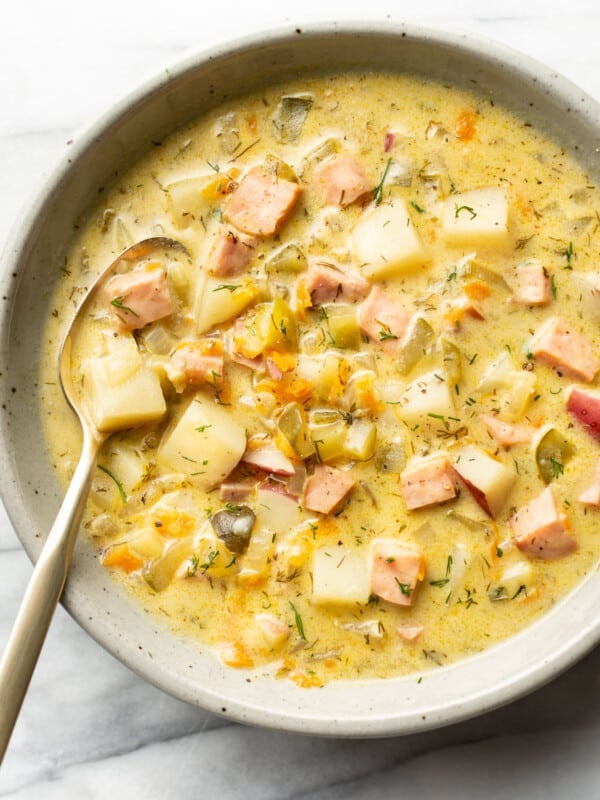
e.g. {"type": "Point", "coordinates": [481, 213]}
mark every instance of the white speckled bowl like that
{"type": "Point", "coordinates": [29, 487]}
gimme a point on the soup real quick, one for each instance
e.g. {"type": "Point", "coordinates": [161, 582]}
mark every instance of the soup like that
{"type": "Point", "coordinates": [359, 411]}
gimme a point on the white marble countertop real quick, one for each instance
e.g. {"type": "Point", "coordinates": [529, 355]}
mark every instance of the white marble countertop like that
{"type": "Point", "coordinates": [89, 727]}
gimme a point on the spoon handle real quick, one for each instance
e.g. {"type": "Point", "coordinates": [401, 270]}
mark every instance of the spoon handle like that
{"type": "Point", "coordinates": [42, 595]}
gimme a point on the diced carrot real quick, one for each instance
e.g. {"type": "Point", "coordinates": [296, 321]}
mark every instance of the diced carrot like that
{"type": "Point", "coordinates": [305, 681]}
{"type": "Point", "coordinates": [285, 361]}
{"type": "Point", "coordinates": [173, 523]}
{"type": "Point", "coordinates": [288, 390]}
{"type": "Point", "coordinates": [251, 122]}
{"type": "Point", "coordinates": [465, 128]}
{"type": "Point", "coordinates": [236, 655]}
{"type": "Point", "coordinates": [123, 557]}
{"type": "Point", "coordinates": [219, 186]}
{"type": "Point", "coordinates": [477, 290]}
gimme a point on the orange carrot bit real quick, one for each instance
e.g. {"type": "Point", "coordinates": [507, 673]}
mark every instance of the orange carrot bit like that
{"type": "Point", "coordinates": [465, 128]}
{"type": "Point", "coordinates": [236, 655]}
{"type": "Point", "coordinates": [123, 557]}
{"type": "Point", "coordinates": [305, 681]}
{"type": "Point", "coordinates": [174, 524]}
{"type": "Point", "coordinates": [251, 122]}
{"type": "Point", "coordinates": [477, 290]}
{"type": "Point", "coordinates": [285, 361]}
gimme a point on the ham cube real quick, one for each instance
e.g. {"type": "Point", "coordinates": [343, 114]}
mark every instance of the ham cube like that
{"type": "Point", "coordinates": [409, 633]}
{"type": "Point", "coordinates": [195, 363]}
{"type": "Point", "coordinates": [231, 254]}
{"type": "Point", "coordinates": [327, 488]}
{"type": "Point", "coordinates": [584, 405]}
{"type": "Point", "coordinates": [507, 433]}
{"type": "Point", "coordinates": [325, 284]}
{"type": "Point", "coordinates": [534, 287]}
{"type": "Point", "coordinates": [542, 530]}
{"type": "Point", "coordinates": [384, 320]}
{"type": "Point", "coordinates": [342, 180]}
{"type": "Point", "coordinates": [427, 481]}
{"type": "Point", "coordinates": [560, 346]}
{"type": "Point", "coordinates": [139, 297]}
{"type": "Point", "coordinates": [262, 202]}
{"type": "Point", "coordinates": [237, 492]}
{"type": "Point", "coordinates": [397, 569]}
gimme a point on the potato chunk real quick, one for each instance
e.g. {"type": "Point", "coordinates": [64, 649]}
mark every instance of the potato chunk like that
{"type": "Point", "coordinates": [121, 391]}
{"type": "Point", "coordinates": [386, 243]}
{"type": "Point", "coordinates": [478, 218]}
{"type": "Point", "coordinates": [206, 443]}
{"type": "Point", "coordinates": [219, 301]}
{"type": "Point", "coordinates": [427, 400]}
{"type": "Point", "coordinates": [339, 576]}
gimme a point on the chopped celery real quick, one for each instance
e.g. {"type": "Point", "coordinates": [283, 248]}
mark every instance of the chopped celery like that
{"type": "Point", "coordinates": [417, 341]}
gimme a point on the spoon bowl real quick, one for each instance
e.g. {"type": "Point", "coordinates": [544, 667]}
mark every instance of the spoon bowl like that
{"type": "Point", "coordinates": [50, 573]}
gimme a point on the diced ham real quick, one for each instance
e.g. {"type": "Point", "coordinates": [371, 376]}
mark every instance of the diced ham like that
{"type": "Point", "coordinates": [231, 254]}
{"type": "Point", "coordinates": [194, 363]}
{"type": "Point", "coordinates": [342, 180]}
{"type": "Point", "coordinates": [584, 405]}
{"type": "Point", "coordinates": [325, 283]}
{"type": "Point", "coordinates": [542, 530]}
{"type": "Point", "coordinates": [560, 346]}
{"type": "Point", "coordinates": [534, 287]}
{"type": "Point", "coordinates": [268, 458]}
{"type": "Point", "coordinates": [507, 433]}
{"type": "Point", "coordinates": [262, 202]}
{"type": "Point", "coordinates": [396, 572]}
{"type": "Point", "coordinates": [427, 481]}
{"type": "Point", "coordinates": [384, 320]}
{"type": "Point", "coordinates": [409, 632]}
{"type": "Point", "coordinates": [139, 297]}
{"type": "Point", "coordinates": [591, 495]}
{"type": "Point", "coordinates": [327, 488]}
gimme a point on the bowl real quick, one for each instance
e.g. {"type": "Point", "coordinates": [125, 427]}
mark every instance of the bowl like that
{"type": "Point", "coordinates": [30, 489]}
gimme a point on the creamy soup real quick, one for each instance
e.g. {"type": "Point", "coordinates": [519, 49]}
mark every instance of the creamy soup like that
{"type": "Point", "coordinates": [360, 422]}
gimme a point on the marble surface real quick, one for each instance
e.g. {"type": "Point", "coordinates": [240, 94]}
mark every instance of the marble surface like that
{"type": "Point", "coordinates": [89, 727]}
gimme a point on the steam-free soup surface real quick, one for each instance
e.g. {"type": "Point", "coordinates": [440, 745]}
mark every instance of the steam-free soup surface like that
{"type": "Point", "coordinates": [360, 420]}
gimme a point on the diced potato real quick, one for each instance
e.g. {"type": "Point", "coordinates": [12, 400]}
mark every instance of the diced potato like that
{"type": "Point", "coordinates": [276, 324]}
{"type": "Point", "coordinates": [121, 391]}
{"type": "Point", "coordinates": [514, 576]}
{"type": "Point", "coordinates": [498, 374]}
{"type": "Point", "coordinates": [513, 388]}
{"type": "Point", "coordinates": [255, 562]}
{"type": "Point", "coordinates": [218, 302]}
{"type": "Point", "coordinates": [489, 480]}
{"type": "Point", "coordinates": [147, 543]}
{"type": "Point", "coordinates": [273, 630]}
{"type": "Point", "coordinates": [478, 218]}
{"type": "Point", "coordinates": [127, 464]}
{"type": "Point", "coordinates": [186, 201]}
{"type": "Point", "coordinates": [386, 243]}
{"type": "Point", "coordinates": [206, 443]}
{"type": "Point", "coordinates": [278, 511]}
{"type": "Point", "coordinates": [360, 440]}
{"type": "Point", "coordinates": [427, 400]}
{"type": "Point", "coordinates": [340, 576]}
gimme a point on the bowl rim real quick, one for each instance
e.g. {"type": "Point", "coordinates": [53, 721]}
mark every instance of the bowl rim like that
{"type": "Point", "coordinates": [485, 50]}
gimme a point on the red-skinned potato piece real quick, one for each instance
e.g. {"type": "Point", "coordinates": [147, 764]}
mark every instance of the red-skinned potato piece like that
{"type": "Point", "coordinates": [489, 480]}
{"type": "Point", "coordinates": [584, 405]}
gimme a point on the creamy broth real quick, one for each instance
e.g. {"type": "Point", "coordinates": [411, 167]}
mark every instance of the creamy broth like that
{"type": "Point", "coordinates": [427, 381]}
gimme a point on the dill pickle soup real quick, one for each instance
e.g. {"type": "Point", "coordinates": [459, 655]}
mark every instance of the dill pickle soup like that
{"type": "Point", "coordinates": [359, 419]}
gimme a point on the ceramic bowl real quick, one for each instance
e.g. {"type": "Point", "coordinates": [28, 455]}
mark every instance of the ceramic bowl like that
{"type": "Point", "coordinates": [29, 486]}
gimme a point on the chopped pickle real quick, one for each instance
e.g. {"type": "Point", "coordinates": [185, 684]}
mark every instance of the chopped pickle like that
{"type": "Point", "coordinates": [328, 429]}
{"type": "Point", "coordinates": [474, 270]}
{"type": "Point", "coordinates": [360, 440]}
{"type": "Point", "coordinates": [293, 426]}
{"type": "Point", "coordinates": [415, 345]}
{"type": "Point", "coordinates": [289, 258]}
{"type": "Point", "coordinates": [290, 115]}
{"type": "Point", "coordinates": [343, 326]}
{"type": "Point", "coordinates": [552, 452]}
{"type": "Point", "coordinates": [452, 361]}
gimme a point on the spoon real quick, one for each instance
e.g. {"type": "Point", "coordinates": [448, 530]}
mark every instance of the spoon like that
{"type": "Point", "coordinates": [49, 575]}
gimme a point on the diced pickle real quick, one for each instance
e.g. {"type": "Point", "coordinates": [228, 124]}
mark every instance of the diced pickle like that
{"type": "Point", "coordinates": [452, 361]}
{"type": "Point", "coordinates": [276, 324]}
{"type": "Point", "coordinates": [343, 326]}
{"type": "Point", "coordinates": [293, 426]}
{"type": "Point", "coordinates": [290, 115]}
{"type": "Point", "coordinates": [328, 430]}
{"type": "Point", "coordinates": [289, 258]}
{"type": "Point", "coordinates": [327, 148]}
{"type": "Point", "coordinates": [551, 454]}
{"type": "Point", "coordinates": [418, 340]}
{"type": "Point", "coordinates": [473, 270]}
{"type": "Point", "coordinates": [234, 527]}
{"type": "Point", "coordinates": [280, 169]}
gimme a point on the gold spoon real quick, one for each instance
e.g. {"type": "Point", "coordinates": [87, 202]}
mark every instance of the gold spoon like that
{"type": "Point", "coordinates": [49, 575]}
